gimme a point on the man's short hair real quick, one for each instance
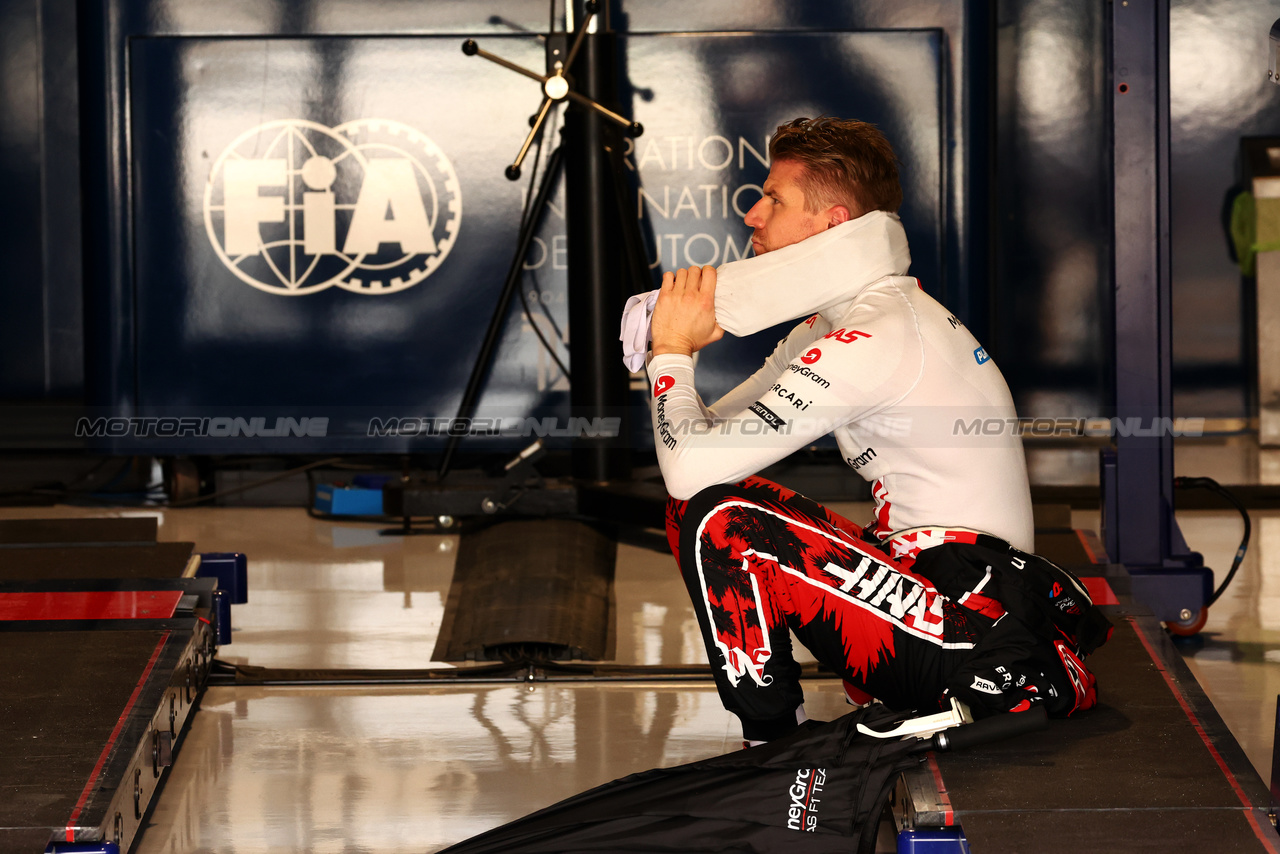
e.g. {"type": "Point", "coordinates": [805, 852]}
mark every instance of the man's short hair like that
{"type": "Point", "coordinates": [847, 162]}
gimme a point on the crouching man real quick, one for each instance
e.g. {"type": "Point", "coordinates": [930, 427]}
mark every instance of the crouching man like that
{"type": "Point", "coordinates": [938, 596]}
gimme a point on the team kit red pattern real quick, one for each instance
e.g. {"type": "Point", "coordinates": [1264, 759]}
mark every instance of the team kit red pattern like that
{"type": "Point", "coordinates": [762, 562]}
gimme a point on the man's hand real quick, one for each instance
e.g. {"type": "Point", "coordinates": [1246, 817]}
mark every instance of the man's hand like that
{"type": "Point", "coordinates": [684, 320]}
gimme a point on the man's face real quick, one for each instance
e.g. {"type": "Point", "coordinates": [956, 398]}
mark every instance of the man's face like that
{"type": "Point", "coordinates": [779, 218]}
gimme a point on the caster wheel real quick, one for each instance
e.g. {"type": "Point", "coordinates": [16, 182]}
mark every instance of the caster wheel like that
{"type": "Point", "coordinates": [1188, 628]}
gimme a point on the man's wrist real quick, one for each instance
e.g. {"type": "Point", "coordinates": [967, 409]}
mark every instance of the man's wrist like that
{"type": "Point", "coordinates": [671, 349]}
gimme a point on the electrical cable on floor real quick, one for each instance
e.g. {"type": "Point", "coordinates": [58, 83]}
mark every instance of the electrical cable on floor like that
{"type": "Point", "coordinates": [66, 491]}
{"type": "Point", "coordinates": [1213, 486]}
{"type": "Point", "coordinates": [245, 487]}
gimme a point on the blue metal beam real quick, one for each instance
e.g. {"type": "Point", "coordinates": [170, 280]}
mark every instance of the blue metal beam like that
{"type": "Point", "coordinates": [1138, 521]}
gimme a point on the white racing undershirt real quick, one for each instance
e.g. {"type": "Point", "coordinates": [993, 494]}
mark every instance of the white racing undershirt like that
{"type": "Point", "coordinates": [916, 406]}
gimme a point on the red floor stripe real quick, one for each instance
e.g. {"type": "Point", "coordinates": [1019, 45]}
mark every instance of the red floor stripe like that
{"type": "Point", "coordinates": [1217, 757]}
{"type": "Point", "coordinates": [1099, 590]}
{"type": "Point", "coordinates": [90, 605]}
{"type": "Point", "coordinates": [949, 817]}
{"type": "Point", "coordinates": [1088, 549]}
{"type": "Point", "coordinates": [111, 741]}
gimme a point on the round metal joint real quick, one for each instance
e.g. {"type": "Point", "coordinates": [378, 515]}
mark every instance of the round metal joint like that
{"type": "Point", "coordinates": [635, 129]}
{"type": "Point", "coordinates": [591, 7]}
{"type": "Point", "coordinates": [513, 172]}
{"type": "Point", "coordinates": [556, 87]}
{"type": "Point", "coordinates": [470, 48]}
{"type": "Point", "coordinates": [1185, 615]}
{"type": "Point", "coordinates": [444, 521]}
{"type": "Point", "coordinates": [489, 506]}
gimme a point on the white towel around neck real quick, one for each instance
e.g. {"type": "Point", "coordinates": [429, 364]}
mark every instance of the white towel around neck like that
{"type": "Point", "coordinates": [818, 273]}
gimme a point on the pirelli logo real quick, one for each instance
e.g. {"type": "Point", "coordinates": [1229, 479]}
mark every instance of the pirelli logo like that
{"type": "Point", "coordinates": [767, 415]}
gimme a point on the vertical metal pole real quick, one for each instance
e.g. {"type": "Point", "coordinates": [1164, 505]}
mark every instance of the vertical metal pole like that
{"type": "Point", "coordinates": [1143, 511]}
{"type": "Point", "coordinates": [598, 278]}
{"type": "Point", "coordinates": [111, 370]}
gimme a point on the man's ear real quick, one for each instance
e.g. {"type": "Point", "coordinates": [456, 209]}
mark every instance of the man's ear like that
{"type": "Point", "coordinates": [837, 215]}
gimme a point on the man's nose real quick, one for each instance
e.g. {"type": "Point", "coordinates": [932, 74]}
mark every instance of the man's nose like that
{"type": "Point", "coordinates": [753, 219]}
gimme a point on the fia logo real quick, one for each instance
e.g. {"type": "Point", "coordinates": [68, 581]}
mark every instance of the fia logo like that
{"type": "Point", "coordinates": [293, 207]}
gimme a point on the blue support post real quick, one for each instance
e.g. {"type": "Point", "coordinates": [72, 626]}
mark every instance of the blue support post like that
{"type": "Point", "coordinates": [232, 571]}
{"type": "Point", "coordinates": [1137, 481]}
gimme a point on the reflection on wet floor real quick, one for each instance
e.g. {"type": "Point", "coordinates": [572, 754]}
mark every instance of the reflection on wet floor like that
{"type": "Point", "coordinates": [1237, 663]}
{"type": "Point", "coordinates": [409, 768]}
{"type": "Point", "coordinates": [417, 769]}
{"type": "Point", "coordinates": [290, 769]}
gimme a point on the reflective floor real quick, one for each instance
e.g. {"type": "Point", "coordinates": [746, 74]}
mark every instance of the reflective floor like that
{"type": "Point", "coordinates": [407, 769]}
{"type": "Point", "coordinates": [416, 769]}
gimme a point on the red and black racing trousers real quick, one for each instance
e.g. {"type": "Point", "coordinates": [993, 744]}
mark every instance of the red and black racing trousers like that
{"type": "Point", "coordinates": [762, 563]}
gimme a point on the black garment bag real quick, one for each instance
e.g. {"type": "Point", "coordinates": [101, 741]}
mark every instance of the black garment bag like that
{"type": "Point", "coordinates": [821, 789]}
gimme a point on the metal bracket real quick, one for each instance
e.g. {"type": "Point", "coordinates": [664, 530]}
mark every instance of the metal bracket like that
{"type": "Point", "coordinates": [556, 87]}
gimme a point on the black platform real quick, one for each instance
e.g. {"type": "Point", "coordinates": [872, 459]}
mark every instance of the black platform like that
{"type": "Point", "coordinates": [1152, 769]}
{"type": "Point", "coordinates": [91, 710]}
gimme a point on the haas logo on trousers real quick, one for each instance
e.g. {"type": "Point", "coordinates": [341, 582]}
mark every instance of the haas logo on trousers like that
{"type": "Point", "coordinates": [832, 580]}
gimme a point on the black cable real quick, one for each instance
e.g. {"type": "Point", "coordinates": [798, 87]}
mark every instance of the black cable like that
{"type": "Point", "coordinates": [128, 463]}
{"type": "Point", "coordinates": [526, 211]}
{"type": "Point", "coordinates": [535, 289]}
{"type": "Point", "coordinates": [245, 487]}
{"type": "Point", "coordinates": [63, 491]}
{"type": "Point", "coordinates": [1213, 486]}
{"type": "Point", "coordinates": [480, 370]}
{"type": "Point", "coordinates": [524, 303]}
